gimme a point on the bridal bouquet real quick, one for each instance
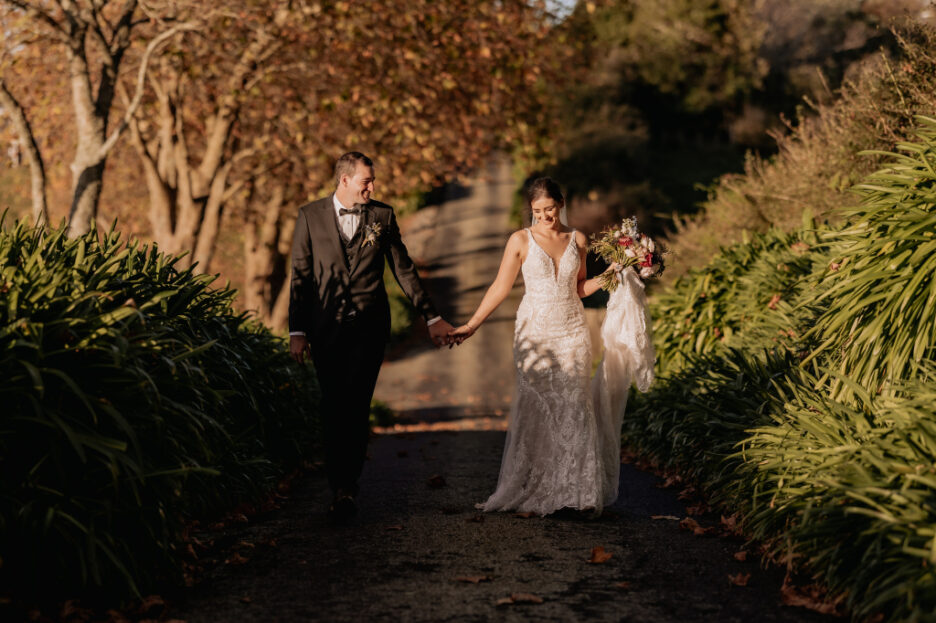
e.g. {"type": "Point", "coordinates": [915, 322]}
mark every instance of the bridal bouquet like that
{"type": "Point", "coordinates": [628, 247]}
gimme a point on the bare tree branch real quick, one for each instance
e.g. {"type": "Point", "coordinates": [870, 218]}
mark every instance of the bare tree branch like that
{"type": "Point", "coordinates": [37, 169]}
{"type": "Point", "coordinates": [141, 84]}
{"type": "Point", "coordinates": [46, 18]}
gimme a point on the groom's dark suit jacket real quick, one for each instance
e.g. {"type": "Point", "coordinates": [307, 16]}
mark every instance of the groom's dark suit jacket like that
{"type": "Point", "coordinates": [334, 279]}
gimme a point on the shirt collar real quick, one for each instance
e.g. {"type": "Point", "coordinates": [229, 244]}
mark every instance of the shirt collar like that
{"type": "Point", "coordinates": [338, 204]}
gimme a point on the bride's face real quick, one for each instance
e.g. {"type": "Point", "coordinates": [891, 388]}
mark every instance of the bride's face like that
{"type": "Point", "coordinates": [546, 211]}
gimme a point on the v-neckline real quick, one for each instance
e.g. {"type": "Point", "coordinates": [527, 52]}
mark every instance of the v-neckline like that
{"type": "Point", "coordinates": [555, 264]}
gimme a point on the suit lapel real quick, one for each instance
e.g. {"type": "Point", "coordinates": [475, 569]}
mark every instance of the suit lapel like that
{"type": "Point", "coordinates": [329, 223]}
{"type": "Point", "coordinates": [360, 236]}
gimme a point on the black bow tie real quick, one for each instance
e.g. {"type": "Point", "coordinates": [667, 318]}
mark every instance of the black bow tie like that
{"type": "Point", "coordinates": [357, 209]}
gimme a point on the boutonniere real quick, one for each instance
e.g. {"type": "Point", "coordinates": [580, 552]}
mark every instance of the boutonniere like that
{"type": "Point", "coordinates": [371, 234]}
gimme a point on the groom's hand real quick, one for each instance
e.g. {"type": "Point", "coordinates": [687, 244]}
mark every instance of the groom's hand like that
{"type": "Point", "coordinates": [439, 331]}
{"type": "Point", "coordinates": [299, 348]}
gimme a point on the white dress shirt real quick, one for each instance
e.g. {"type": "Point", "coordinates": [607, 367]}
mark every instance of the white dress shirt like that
{"type": "Point", "coordinates": [349, 224]}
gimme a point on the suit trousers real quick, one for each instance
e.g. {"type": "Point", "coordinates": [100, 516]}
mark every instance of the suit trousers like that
{"type": "Point", "coordinates": [347, 363]}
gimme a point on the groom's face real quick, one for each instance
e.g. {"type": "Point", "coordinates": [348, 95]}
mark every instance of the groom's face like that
{"type": "Point", "coordinates": [360, 186]}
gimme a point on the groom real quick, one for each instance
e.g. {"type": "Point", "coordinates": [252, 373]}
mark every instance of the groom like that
{"type": "Point", "coordinates": [339, 315]}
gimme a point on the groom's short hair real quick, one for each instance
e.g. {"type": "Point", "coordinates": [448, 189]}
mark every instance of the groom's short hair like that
{"type": "Point", "coordinates": [347, 164]}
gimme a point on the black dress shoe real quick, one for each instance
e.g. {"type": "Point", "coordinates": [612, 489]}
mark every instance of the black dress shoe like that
{"type": "Point", "coordinates": [342, 509]}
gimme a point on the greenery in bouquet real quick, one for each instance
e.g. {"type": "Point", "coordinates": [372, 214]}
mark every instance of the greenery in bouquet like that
{"type": "Point", "coordinates": [626, 246]}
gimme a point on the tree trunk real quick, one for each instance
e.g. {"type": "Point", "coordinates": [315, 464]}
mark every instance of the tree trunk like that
{"type": "Point", "coordinates": [40, 211]}
{"type": "Point", "coordinates": [261, 242]}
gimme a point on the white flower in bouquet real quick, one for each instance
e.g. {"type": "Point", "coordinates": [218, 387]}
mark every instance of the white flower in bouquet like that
{"type": "Point", "coordinates": [630, 252]}
{"type": "Point", "coordinates": [648, 271]}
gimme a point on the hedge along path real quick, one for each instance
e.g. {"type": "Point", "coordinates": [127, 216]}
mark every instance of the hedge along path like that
{"type": "Point", "coordinates": [134, 398]}
{"type": "Point", "coordinates": [799, 387]}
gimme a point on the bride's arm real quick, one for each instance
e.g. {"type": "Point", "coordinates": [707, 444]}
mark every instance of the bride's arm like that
{"type": "Point", "coordinates": [586, 287]}
{"type": "Point", "coordinates": [500, 289]}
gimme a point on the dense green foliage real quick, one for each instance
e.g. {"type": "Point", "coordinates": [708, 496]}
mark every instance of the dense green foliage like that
{"type": "Point", "coordinates": [820, 158]}
{"type": "Point", "coordinates": [797, 386]}
{"type": "Point", "coordinates": [133, 397]}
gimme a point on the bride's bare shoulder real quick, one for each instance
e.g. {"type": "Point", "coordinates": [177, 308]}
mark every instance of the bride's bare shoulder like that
{"type": "Point", "coordinates": [518, 241]}
{"type": "Point", "coordinates": [581, 240]}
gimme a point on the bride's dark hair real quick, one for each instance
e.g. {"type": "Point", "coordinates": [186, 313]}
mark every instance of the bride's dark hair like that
{"type": "Point", "coordinates": [544, 187]}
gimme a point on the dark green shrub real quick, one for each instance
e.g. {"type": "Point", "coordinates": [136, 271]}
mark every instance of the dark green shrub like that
{"type": "Point", "coordinates": [132, 397]}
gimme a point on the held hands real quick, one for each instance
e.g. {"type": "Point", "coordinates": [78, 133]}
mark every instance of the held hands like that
{"type": "Point", "coordinates": [462, 333]}
{"type": "Point", "coordinates": [439, 333]}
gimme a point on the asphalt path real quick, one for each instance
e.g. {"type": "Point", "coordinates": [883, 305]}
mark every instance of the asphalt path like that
{"type": "Point", "coordinates": [419, 551]}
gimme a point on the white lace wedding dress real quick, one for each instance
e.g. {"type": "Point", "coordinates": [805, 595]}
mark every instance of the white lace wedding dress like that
{"type": "Point", "coordinates": [563, 438]}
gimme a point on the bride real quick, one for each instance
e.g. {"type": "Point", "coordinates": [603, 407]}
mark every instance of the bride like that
{"type": "Point", "coordinates": [563, 438]}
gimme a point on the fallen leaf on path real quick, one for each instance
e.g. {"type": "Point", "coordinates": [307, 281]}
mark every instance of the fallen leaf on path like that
{"type": "Point", "coordinates": [599, 555]}
{"type": "Point", "coordinates": [670, 517]}
{"type": "Point", "coordinates": [669, 482]}
{"type": "Point", "coordinates": [687, 493]}
{"type": "Point", "coordinates": [72, 609]}
{"type": "Point", "coordinates": [236, 559]}
{"type": "Point", "coordinates": [245, 599]}
{"type": "Point", "coordinates": [247, 544]}
{"type": "Point", "coordinates": [476, 518]}
{"type": "Point", "coordinates": [473, 579]}
{"type": "Point", "coordinates": [812, 597]}
{"type": "Point", "coordinates": [396, 527]}
{"type": "Point", "coordinates": [691, 524]}
{"type": "Point", "coordinates": [519, 598]}
{"type": "Point", "coordinates": [740, 556]}
{"type": "Point", "coordinates": [739, 579]}
{"type": "Point", "coordinates": [525, 515]}
{"type": "Point", "coordinates": [624, 585]}
{"type": "Point", "coordinates": [150, 606]}
{"type": "Point", "coordinates": [699, 508]}
{"type": "Point", "coordinates": [436, 482]}
{"type": "Point", "coordinates": [730, 523]}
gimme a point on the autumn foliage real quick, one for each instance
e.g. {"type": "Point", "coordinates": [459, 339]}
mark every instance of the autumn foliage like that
{"type": "Point", "coordinates": [243, 112]}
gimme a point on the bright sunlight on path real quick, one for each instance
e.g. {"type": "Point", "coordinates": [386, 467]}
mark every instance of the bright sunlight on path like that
{"type": "Point", "coordinates": [459, 244]}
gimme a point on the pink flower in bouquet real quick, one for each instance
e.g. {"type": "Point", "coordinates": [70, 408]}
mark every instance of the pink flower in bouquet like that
{"type": "Point", "coordinates": [647, 260]}
{"type": "Point", "coordinates": [626, 241]}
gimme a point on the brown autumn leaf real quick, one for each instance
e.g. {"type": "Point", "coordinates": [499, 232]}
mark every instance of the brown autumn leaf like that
{"type": "Point", "coordinates": [436, 482]}
{"type": "Point", "coordinates": [812, 597]}
{"type": "Point", "coordinates": [692, 525]}
{"type": "Point", "coordinates": [245, 599]}
{"type": "Point", "coordinates": [624, 585]}
{"type": "Point", "coordinates": [730, 523]}
{"type": "Point", "coordinates": [476, 518]}
{"type": "Point", "coordinates": [519, 598]}
{"type": "Point", "coordinates": [699, 508]}
{"type": "Point", "coordinates": [151, 605]}
{"type": "Point", "coordinates": [525, 515]}
{"type": "Point", "coordinates": [739, 579]}
{"type": "Point", "coordinates": [396, 527]}
{"type": "Point", "coordinates": [473, 579]}
{"type": "Point", "coordinates": [669, 517]}
{"type": "Point", "coordinates": [740, 556]}
{"type": "Point", "coordinates": [599, 555]}
{"type": "Point", "coordinates": [236, 559]}
{"type": "Point", "coordinates": [689, 524]}
{"type": "Point", "coordinates": [773, 301]}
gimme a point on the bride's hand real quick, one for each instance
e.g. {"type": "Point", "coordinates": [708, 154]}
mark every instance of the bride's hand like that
{"type": "Point", "coordinates": [615, 266]}
{"type": "Point", "coordinates": [462, 333]}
